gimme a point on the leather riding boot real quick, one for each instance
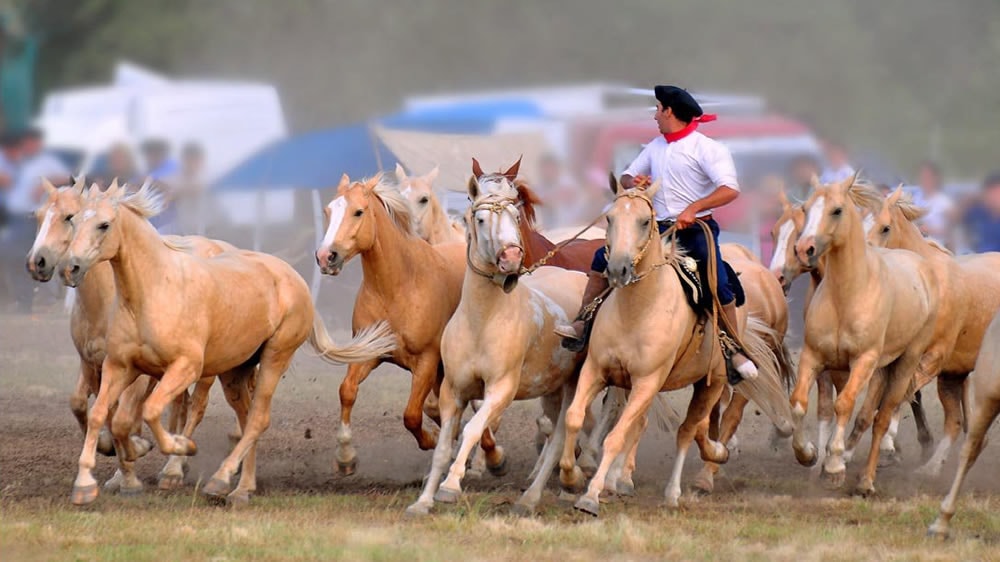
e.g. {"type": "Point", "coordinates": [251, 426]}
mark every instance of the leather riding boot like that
{"type": "Point", "coordinates": [573, 334]}
{"type": "Point", "coordinates": [740, 362]}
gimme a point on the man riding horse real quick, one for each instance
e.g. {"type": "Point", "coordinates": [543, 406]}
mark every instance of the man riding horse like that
{"type": "Point", "coordinates": [697, 174]}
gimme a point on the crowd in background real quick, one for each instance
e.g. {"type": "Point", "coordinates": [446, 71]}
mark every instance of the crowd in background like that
{"type": "Point", "coordinates": [24, 163]}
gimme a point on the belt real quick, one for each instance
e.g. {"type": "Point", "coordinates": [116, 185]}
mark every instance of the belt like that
{"type": "Point", "coordinates": [667, 223]}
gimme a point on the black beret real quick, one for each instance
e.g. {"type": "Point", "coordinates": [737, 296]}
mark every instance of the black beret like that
{"type": "Point", "coordinates": [684, 105]}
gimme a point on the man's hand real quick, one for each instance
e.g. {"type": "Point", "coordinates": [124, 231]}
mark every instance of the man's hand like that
{"type": "Point", "coordinates": [686, 218]}
{"type": "Point", "coordinates": [642, 182]}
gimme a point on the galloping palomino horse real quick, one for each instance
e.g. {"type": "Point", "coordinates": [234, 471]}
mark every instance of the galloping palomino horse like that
{"type": "Point", "coordinates": [429, 219]}
{"type": "Point", "coordinates": [407, 283]}
{"type": "Point", "coordinates": [985, 407]}
{"type": "Point", "coordinates": [969, 297]}
{"type": "Point", "coordinates": [500, 345]}
{"type": "Point", "coordinates": [873, 308]}
{"type": "Point", "coordinates": [787, 267]}
{"type": "Point", "coordinates": [648, 338]}
{"type": "Point", "coordinates": [88, 328]}
{"type": "Point", "coordinates": [180, 317]}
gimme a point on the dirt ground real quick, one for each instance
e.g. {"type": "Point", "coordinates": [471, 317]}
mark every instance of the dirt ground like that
{"type": "Point", "coordinates": [40, 443]}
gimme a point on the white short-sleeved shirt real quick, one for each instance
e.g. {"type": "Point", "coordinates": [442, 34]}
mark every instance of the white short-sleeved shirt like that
{"type": "Point", "coordinates": [688, 169]}
{"type": "Point", "coordinates": [43, 165]}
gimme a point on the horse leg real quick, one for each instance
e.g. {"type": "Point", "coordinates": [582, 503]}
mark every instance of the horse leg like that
{"type": "Point", "coordinates": [172, 473]}
{"type": "Point", "coordinates": [899, 375]}
{"type": "Point", "coordinates": [181, 374]}
{"type": "Point", "coordinates": [239, 396]}
{"type": "Point", "coordinates": [950, 394]}
{"type": "Point", "coordinates": [451, 416]}
{"type": "Point", "coordinates": [128, 446]}
{"type": "Point", "coordinates": [809, 367]}
{"type": "Point", "coordinates": [496, 399]}
{"type": "Point", "coordinates": [924, 435]}
{"type": "Point", "coordinates": [424, 376]}
{"type": "Point", "coordinates": [621, 438]}
{"type": "Point", "coordinates": [731, 418]}
{"type": "Point", "coordinates": [984, 412]}
{"type": "Point", "coordinates": [695, 427]}
{"type": "Point", "coordinates": [529, 500]}
{"type": "Point", "coordinates": [624, 486]}
{"type": "Point", "coordinates": [114, 380]}
{"type": "Point", "coordinates": [866, 415]}
{"type": "Point", "coordinates": [587, 387]}
{"type": "Point", "coordinates": [347, 456]}
{"type": "Point", "coordinates": [861, 372]}
{"type": "Point", "coordinates": [552, 407]}
{"type": "Point", "coordinates": [273, 364]}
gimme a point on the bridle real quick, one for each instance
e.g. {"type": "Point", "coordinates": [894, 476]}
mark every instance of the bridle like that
{"type": "Point", "coordinates": [495, 205]}
{"type": "Point", "coordinates": [653, 235]}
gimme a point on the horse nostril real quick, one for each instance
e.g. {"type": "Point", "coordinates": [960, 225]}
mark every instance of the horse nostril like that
{"type": "Point", "coordinates": [810, 251]}
{"type": "Point", "coordinates": [40, 262]}
{"type": "Point", "coordinates": [75, 269]}
{"type": "Point", "coordinates": [781, 279]}
{"type": "Point", "coordinates": [331, 258]}
{"type": "Point", "coordinates": [624, 272]}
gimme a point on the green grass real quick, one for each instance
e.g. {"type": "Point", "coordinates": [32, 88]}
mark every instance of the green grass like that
{"type": "Point", "coordinates": [373, 527]}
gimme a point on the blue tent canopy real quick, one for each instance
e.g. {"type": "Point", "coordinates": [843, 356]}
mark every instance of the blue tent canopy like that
{"type": "Point", "coordinates": [317, 159]}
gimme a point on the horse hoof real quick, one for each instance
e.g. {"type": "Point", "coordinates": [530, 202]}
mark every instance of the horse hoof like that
{"type": "Point", "coordinates": [474, 474]}
{"type": "Point", "coordinates": [587, 505]}
{"type": "Point", "coordinates": [889, 458]}
{"type": "Point", "coordinates": [806, 456]}
{"type": "Point", "coordinates": [184, 446]}
{"type": "Point", "coordinates": [447, 495]}
{"type": "Point", "coordinates": [105, 443]}
{"type": "Point", "coordinates": [141, 445]}
{"type": "Point", "coordinates": [169, 482]}
{"type": "Point", "coordinates": [216, 488]}
{"type": "Point", "coordinates": [418, 510]}
{"type": "Point", "coordinates": [566, 498]}
{"type": "Point", "coordinates": [834, 480]}
{"type": "Point", "coordinates": [865, 490]}
{"type": "Point", "coordinates": [500, 469]}
{"type": "Point", "coordinates": [625, 488]}
{"type": "Point", "coordinates": [523, 510]}
{"type": "Point", "coordinates": [84, 495]}
{"type": "Point", "coordinates": [574, 482]}
{"type": "Point", "coordinates": [672, 503]}
{"type": "Point", "coordinates": [703, 485]}
{"type": "Point", "coordinates": [347, 468]}
{"type": "Point", "coordinates": [939, 531]}
{"type": "Point", "coordinates": [130, 491]}
{"type": "Point", "coordinates": [238, 498]}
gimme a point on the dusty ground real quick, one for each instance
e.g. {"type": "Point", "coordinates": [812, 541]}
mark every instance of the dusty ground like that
{"type": "Point", "coordinates": [765, 505]}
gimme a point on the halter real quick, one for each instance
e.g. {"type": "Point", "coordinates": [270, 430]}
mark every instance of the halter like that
{"type": "Point", "coordinates": [496, 205]}
{"type": "Point", "coordinates": [640, 195]}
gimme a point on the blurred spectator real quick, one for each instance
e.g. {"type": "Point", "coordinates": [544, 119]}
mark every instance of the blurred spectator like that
{"type": "Point", "coordinates": [189, 190]}
{"type": "Point", "coordinates": [801, 172]}
{"type": "Point", "coordinates": [884, 189]}
{"type": "Point", "coordinates": [121, 164]}
{"type": "Point", "coordinates": [564, 204]}
{"type": "Point", "coordinates": [982, 220]}
{"type": "Point", "coordinates": [163, 170]}
{"type": "Point", "coordinates": [940, 219]}
{"type": "Point", "coordinates": [22, 201]}
{"type": "Point", "coordinates": [10, 158]}
{"type": "Point", "coordinates": [838, 167]}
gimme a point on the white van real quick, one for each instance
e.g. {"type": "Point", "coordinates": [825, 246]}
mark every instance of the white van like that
{"type": "Point", "coordinates": [230, 120]}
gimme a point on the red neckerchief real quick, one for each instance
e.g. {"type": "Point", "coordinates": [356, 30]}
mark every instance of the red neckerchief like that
{"type": "Point", "coordinates": [690, 128]}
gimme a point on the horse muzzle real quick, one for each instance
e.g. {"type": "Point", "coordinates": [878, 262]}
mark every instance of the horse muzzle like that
{"type": "Point", "coordinates": [40, 267]}
{"type": "Point", "coordinates": [73, 273]}
{"type": "Point", "coordinates": [329, 262]}
{"type": "Point", "coordinates": [621, 272]}
{"type": "Point", "coordinates": [510, 260]}
{"type": "Point", "coordinates": [808, 251]}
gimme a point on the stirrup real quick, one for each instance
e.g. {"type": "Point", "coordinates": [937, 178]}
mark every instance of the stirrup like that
{"type": "Point", "coordinates": [736, 375]}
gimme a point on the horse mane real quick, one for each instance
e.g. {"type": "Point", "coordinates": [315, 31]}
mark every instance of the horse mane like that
{"type": "Point", "coordinates": [528, 199]}
{"type": "Point", "coordinates": [865, 196]}
{"type": "Point", "coordinates": [911, 211]}
{"type": "Point", "coordinates": [147, 202]}
{"type": "Point", "coordinates": [396, 204]}
{"type": "Point", "coordinates": [178, 243]}
{"type": "Point", "coordinates": [938, 246]}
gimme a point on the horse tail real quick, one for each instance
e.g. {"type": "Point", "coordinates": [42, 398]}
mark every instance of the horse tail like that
{"type": "Point", "coordinates": [767, 390]}
{"type": "Point", "coordinates": [786, 366]}
{"type": "Point", "coordinates": [663, 415]}
{"type": "Point", "coordinates": [370, 343]}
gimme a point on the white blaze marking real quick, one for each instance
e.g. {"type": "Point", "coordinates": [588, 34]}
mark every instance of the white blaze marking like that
{"type": "Point", "coordinates": [338, 207]}
{"type": "Point", "coordinates": [43, 232]}
{"type": "Point", "coordinates": [815, 217]}
{"type": "Point", "coordinates": [781, 247]}
{"type": "Point", "coordinates": [89, 213]}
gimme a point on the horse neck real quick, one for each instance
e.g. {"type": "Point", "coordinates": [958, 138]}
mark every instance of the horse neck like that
{"type": "Point", "coordinates": [440, 225]}
{"type": "Point", "coordinates": [141, 263]}
{"type": "Point", "coordinates": [847, 267]}
{"type": "Point", "coordinates": [909, 238]}
{"type": "Point", "coordinates": [96, 290]}
{"type": "Point", "coordinates": [392, 257]}
{"type": "Point", "coordinates": [483, 299]}
{"type": "Point", "coordinates": [536, 245]}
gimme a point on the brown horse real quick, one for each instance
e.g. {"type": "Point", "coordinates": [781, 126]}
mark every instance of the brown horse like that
{"type": "Point", "coordinates": [180, 317]}
{"type": "Point", "coordinates": [787, 267]}
{"type": "Point", "coordinates": [500, 346]}
{"type": "Point", "coordinates": [429, 219]}
{"type": "Point", "coordinates": [969, 293]}
{"type": "Point", "coordinates": [873, 308]}
{"type": "Point", "coordinates": [985, 407]}
{"type": "Point", "coordinates": [411, 285]}
{"type": "Point", "coordinates": [89, 324]}
{"type": "Point", "coordinates": [647, 338]}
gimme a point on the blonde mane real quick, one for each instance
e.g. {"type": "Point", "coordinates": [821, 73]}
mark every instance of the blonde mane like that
{"type": "Point", "coordinates": [911, 211]}
{"type": "Point", "coordinates": [147, 202]}
{"type": "Point", "coordinates": [396, 204]}
{"type": "Point", "coordinates": [866, 196]}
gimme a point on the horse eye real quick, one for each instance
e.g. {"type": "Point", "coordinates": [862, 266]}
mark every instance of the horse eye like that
{"type": "Point", "coordinates": [424, 200]}
{"type": "Point", "coordinates": [645, 223]}
{"type": "Point", "coordinates": [359, 212]}
{"type": "Point", "coordinates": [69, 218]}
{"type": "Point", "coordinates": [885, 230]}
{"type": "Point", "coordinates": [479, 220]}
{"type": "Point", "coordinates": [837, 212]}
{"type": "Point", "coordinates": [104, 226]}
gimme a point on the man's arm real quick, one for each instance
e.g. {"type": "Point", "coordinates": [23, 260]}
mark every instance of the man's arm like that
{"type": "Point", "coordinates": [723, 195]}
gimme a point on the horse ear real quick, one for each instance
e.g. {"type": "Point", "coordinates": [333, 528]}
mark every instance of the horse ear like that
{"type": "Point", "coordinates": [894, 197]}
{"type": "Point", "coordinates": [432, 175]}
{"type": "Point", "coordinates": [783, 197]}
{"type": "Point", "coordinates": [473, 187]}
{"type": "Point", "coordinates": [345, 181]}
{"type": "Point", "coordinates": [113, 189]}
{"type": "Point", "coordinates": [849, 182]}
{"type": "Point", "coordinates": [80, 184]}
{"type": "Point", "coordinates": [477, 170]}
{"type": "Point", "coordinates": [400, 172]}
{"type": "Point", "coordinates": [49, 188]}
{"type": "Point", "coordinates": [373, 181]}
{"type": "Point", "coordinates": [613, 183]}
{"type": "Point", "coordinates": [511, 173]}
